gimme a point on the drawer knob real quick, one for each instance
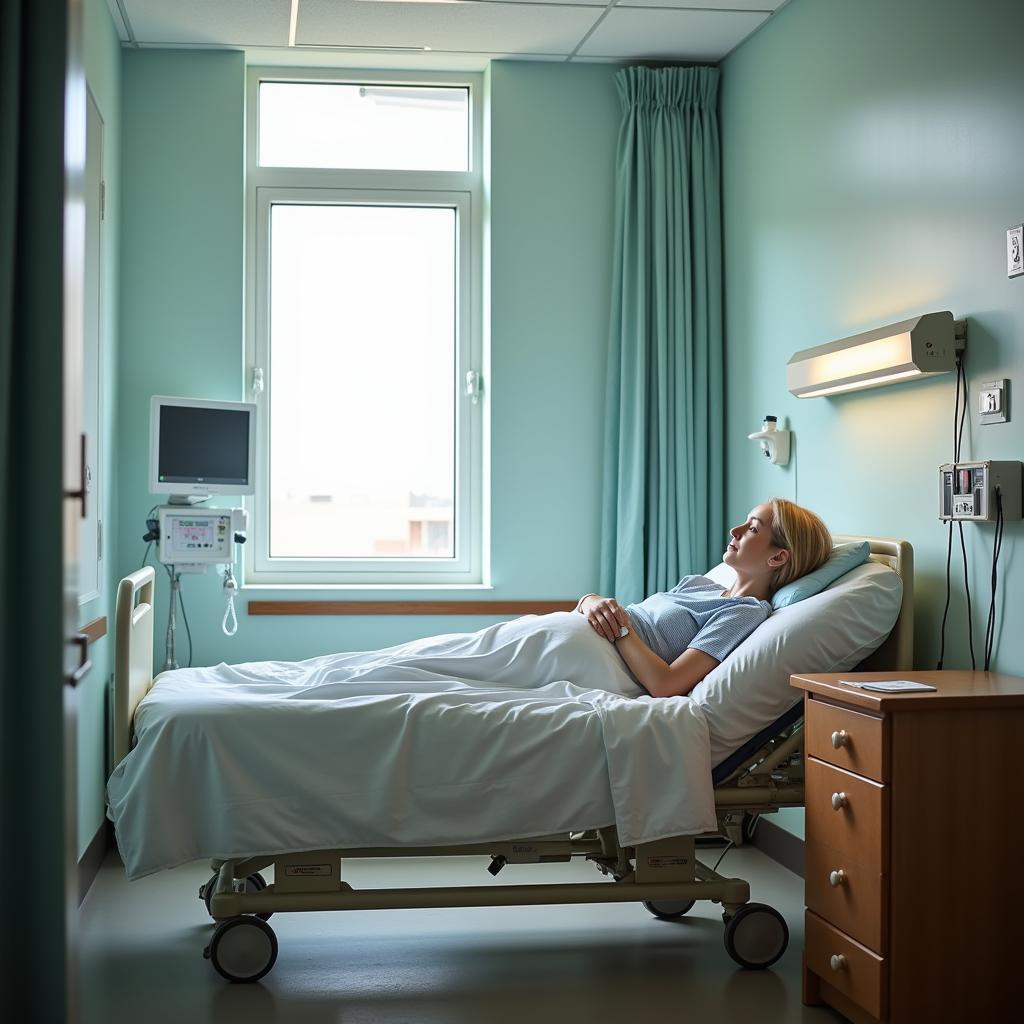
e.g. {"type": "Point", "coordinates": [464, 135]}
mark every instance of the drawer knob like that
{"type": "Point", "coordinates": [840, 738]}
{"type": "Point", "coordinates": [838, 801]}
{"type": "Point", "coordinates": [837, 961]}
{"type": "Point", "coordinates": [836, 878]}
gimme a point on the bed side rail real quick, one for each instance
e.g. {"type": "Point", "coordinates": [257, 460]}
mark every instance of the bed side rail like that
{"type": "Point", "coordinates": [133, 665]}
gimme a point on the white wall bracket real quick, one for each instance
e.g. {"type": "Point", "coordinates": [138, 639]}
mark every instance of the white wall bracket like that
{"type": "Point", "coordinates": [774, 442]}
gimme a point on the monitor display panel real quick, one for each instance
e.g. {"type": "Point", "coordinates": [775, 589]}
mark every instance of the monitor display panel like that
{"type": "Point", "coordinates": [201, 448]}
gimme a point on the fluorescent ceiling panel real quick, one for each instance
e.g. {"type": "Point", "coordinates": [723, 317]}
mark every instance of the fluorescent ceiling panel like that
{"type": "Point", "coordinates": [635, 33]}
{"type": "Point", "coordinates": [497, 28]}
{"type": "Point", "coordinates": [224, 22]}
{"type": "Point", "coordinates": [763, 6]}
{"type": "Point", "coordinates": [602, 4]}
{"type": "Point", "coordinates": [379, 60]}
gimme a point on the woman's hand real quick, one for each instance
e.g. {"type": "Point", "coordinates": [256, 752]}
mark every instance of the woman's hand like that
{"type": "Point", "coordinates": [605, 615]}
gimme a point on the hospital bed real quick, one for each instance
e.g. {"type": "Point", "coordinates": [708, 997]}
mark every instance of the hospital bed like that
{"type": "Point", "coordinates": [762, 773]}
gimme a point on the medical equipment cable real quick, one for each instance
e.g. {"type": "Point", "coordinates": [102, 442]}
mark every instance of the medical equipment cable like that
{"type": "Point", "coordinates": [188, 632]}
{"type": "Point", "coordinates": [967, 590]}
{"type": "Point", "coordinates": [945, 611]}
{"type": "Point", "coordinates": [728, 846]}
{"type": "Point", "coordinates": [949, 525]}
{"type": "Point", "coordinates": [230, 590]}
{"type": "Point", "coordinates": [997, 544]}
{"type": "Point", "coordinates": [150, 533]}
{"type": "Point", "coordinates": [184, 614]}
{"type": "Point", "coordinates": [962, 374]}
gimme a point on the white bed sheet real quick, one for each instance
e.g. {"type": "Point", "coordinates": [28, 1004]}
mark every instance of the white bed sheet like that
{"type": "Point", "coordinates": [395, 748]}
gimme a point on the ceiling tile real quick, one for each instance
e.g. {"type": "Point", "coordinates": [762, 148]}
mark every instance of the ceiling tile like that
{"type": "Point", "coordinates": [497, 28]}
{"type": "Point", "coordinates": [638, 34]}
{"type": "Point", "coordinates": [227, 22]}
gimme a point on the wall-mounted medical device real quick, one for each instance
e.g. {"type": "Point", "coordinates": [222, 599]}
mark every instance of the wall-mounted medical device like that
{"type": "Point", "coordinates": [774, 442]}
{"type": "Point", "coordinates": [967, 491]}
{"type": "Point", "coordinates": [198, 448]}
{"type": "Point", "coordinates": [192, 538]}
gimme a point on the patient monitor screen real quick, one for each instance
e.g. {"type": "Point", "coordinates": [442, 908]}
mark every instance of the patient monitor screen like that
{"type": "Point", "coordinates": [208, 446]}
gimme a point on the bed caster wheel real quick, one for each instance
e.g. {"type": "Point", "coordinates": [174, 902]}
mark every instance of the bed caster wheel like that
{"type": "Point", "coordinates": [242, 949]}
{"type": "Point", "coordinates": [668, 911]}
{"type": "Point", "coordinates": [253, 883]}
{"type": "Point", "coordinates": [756, 936]}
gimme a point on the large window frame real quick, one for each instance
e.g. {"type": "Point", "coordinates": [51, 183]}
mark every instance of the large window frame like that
{"type": "Point", "coordinates": [458, 190]}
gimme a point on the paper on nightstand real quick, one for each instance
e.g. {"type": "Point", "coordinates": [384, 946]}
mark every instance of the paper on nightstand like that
{"type": "Point", "coordinates": [894, 686]}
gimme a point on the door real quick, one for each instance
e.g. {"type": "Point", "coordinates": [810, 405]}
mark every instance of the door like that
{"type": "Point", "coordinates": [42, 131]}
{"type": "Point", "coordinates": [76, 501]}
{"type": "Point", "coordinates": [90, 546]}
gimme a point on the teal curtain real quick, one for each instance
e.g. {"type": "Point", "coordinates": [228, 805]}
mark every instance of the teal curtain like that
{"type": "Point", "coordinates": [662, 513]}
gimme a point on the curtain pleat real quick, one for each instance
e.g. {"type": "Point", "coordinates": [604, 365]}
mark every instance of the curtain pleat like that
{"type": "Point", "coordinates": [664, 428]}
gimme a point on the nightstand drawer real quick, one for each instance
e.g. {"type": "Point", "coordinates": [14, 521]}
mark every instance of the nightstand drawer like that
{"type": "Point", "coordinates": [846, 965]}
{"type": "Point", "coordinates": [847, 739]}
{"type": "Point", "coordinates": [848, 813]}
{"type": "Point", "coordinates": [855, 901]}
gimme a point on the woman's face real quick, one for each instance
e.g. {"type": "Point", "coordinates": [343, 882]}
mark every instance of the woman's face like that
{"type": "Point", "coordinates": [750, 544]}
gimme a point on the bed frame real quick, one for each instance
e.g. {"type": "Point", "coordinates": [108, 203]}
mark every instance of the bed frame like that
{"type": "Point", "coordinates": [763, 776]}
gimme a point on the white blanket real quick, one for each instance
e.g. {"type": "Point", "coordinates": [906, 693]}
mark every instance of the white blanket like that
{"type": "Point", "coordinates": [527, 728]}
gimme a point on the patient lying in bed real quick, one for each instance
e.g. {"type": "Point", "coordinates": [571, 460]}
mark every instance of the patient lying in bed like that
{"type": "Point", "coordinates": [663, 646]}
{"type": "Point", "coordinates": [670, 642]}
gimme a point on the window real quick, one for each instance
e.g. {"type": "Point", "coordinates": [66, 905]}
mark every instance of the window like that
{"type": "Point", "coordinates": [364, 272]}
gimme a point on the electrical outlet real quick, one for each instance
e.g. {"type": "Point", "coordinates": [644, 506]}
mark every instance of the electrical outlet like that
{"type": "Point", "coordinates": [993, 401]}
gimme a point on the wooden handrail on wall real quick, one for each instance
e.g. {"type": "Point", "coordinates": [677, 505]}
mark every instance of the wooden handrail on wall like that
{"type": "Point", "coordinates": [512, 608]}
{"type": "Point", "coordinates": [95, 630]}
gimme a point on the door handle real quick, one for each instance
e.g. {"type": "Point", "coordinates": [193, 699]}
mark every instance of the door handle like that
{"type": "Point", "coordinates": [81, 640]}
{"type": "Point", "coordinates": [79, 495]}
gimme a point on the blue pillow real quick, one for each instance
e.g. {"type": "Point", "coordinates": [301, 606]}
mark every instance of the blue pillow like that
{"type": "Point", "coordinates": [844, 558]}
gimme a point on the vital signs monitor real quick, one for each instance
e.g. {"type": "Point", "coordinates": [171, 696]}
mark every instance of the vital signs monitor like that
{"type": "Point", "coordinates": [198, 448]}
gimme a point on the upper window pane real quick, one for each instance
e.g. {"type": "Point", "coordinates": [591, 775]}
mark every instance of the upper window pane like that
{"type": "Point", "coordinates": [381, 127]}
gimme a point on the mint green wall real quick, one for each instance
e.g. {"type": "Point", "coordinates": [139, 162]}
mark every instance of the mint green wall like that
{"type": "Point", "coordinates": [181, 288]}
{"type": "Point", "coordinates": [873, 159]}
{"type": "Point", "coordinates": [103, 73]}
{"type": "Point", "coordinates": [553, 132]}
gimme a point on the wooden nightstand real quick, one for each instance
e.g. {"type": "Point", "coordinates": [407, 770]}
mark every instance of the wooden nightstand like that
{"type": "Point", "coordinates": [914, 847]}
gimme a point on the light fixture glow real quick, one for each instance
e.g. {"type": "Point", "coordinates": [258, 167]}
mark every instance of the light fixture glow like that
{"type": "Point", "coordinates": [921, 346]}
{"type": "Point", "coordinates": [293, 22]}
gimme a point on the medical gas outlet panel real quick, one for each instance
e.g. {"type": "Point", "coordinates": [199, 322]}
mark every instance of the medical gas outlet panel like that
{"type": "Point", "coordinates": [967, 491]}
{"type": "Point", "coordinates": [199, 536]}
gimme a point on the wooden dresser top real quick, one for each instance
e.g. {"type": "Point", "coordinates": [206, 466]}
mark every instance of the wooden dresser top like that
{"type": "Point", "coordinates": [955, 689]}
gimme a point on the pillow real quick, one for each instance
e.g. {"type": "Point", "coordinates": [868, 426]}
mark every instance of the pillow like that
{"type": "Point", "coordinates": [831, 632]}
{"type": "Point", "coordinates": [844, 558]}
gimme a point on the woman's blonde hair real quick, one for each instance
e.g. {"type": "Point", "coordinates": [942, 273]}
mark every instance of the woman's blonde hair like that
{"type": "Point", "coordinates": [803, 535]}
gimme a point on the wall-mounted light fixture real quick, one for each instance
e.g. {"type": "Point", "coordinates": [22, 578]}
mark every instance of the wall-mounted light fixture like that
{"type": "Point", "coordinates": [917, 347]}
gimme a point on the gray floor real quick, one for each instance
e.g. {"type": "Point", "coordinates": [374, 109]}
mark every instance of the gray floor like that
{"type": "Point", "coordinates": [141, 942]}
